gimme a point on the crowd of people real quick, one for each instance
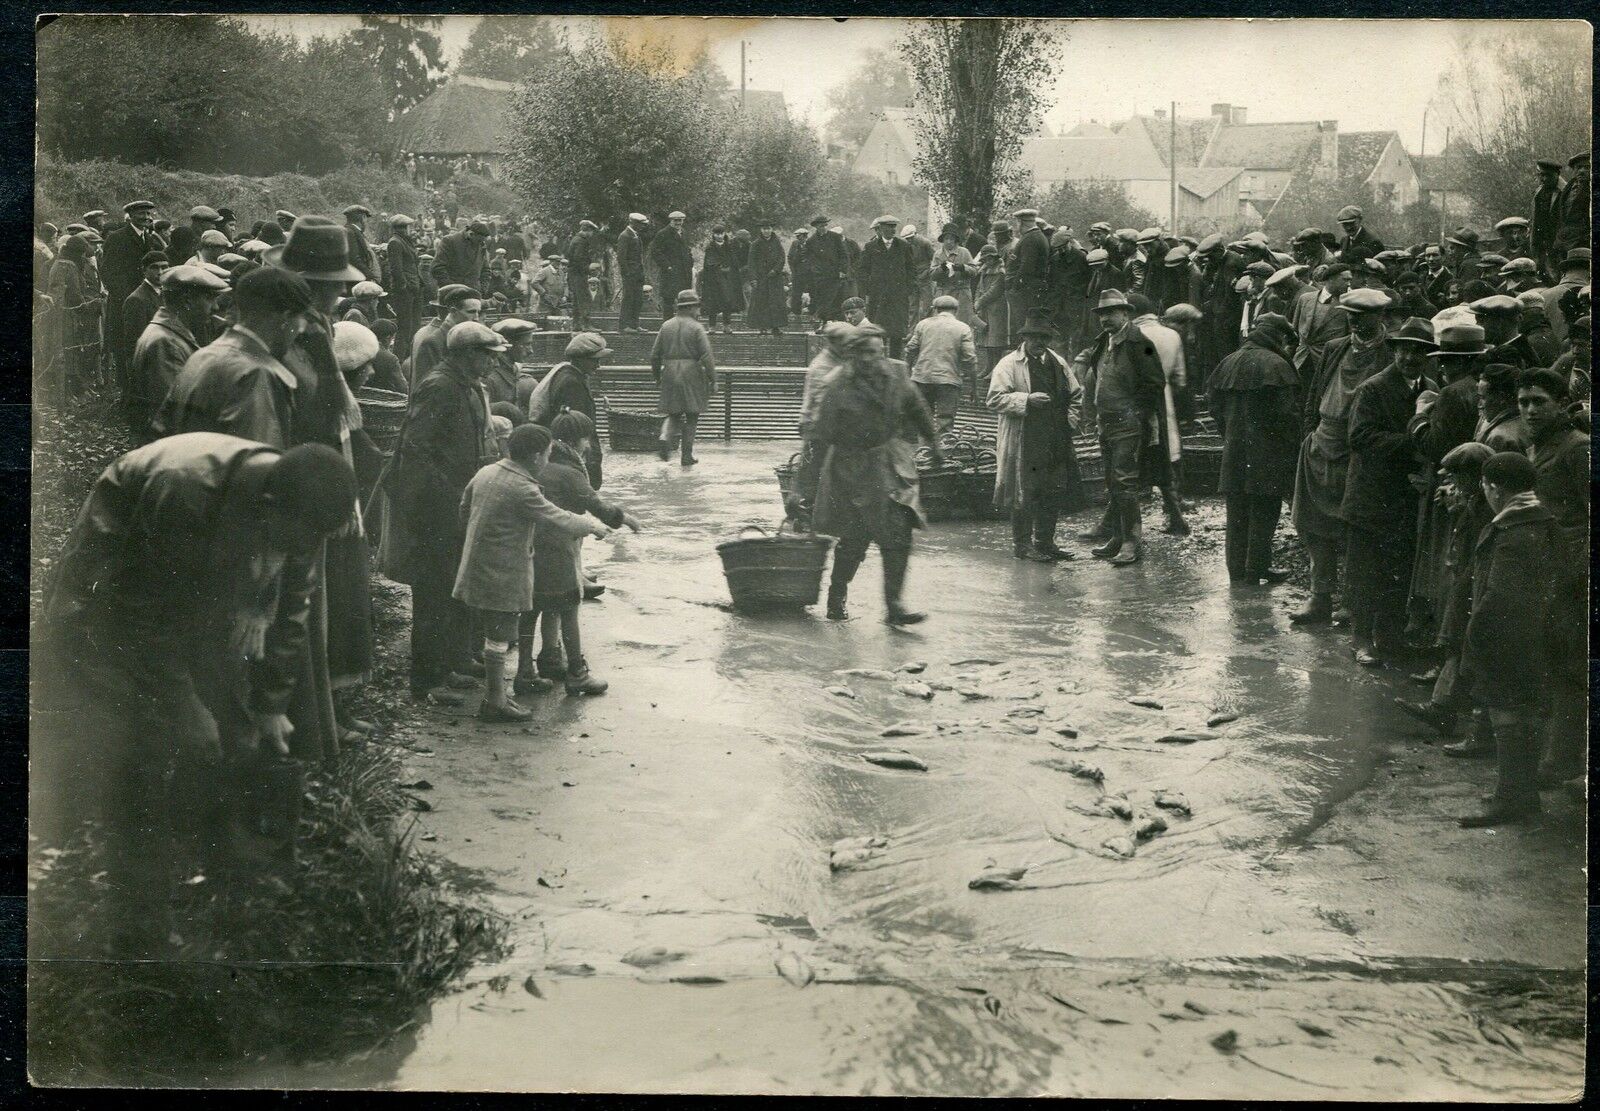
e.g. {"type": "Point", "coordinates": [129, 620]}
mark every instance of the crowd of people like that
{"type": "Point", "coordinates": [1422, 410]}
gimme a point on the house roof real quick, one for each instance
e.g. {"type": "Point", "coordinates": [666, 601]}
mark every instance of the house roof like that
{"type": "Point", "coordinates": [1359, 151]}
{"type": "Point", "coordinates": [1192, 136]}
{"type": "Point", "coordinates": [1203, 181]}
{"type": "Point", "coordinates": [465, 115]}
{"type": "Point", "coordinates": [1261, 146]}
{"type": "Point", "coordinates": [1070, 158]}
{"type": "Point", "coordinates": [1086, 130]}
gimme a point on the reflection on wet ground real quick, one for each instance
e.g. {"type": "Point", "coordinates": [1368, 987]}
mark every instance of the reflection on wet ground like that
{"type": "Point", "coordinates": [1309, 923]}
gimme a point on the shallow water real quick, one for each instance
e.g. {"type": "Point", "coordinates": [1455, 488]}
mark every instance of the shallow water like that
{"type": "Point", "coordinates": [1319, 903]}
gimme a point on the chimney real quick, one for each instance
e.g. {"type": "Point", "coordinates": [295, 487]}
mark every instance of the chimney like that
{"type": "Point", "coordinates": [1223, 111]}
{"type": "Point", "coordinates": [1328, 151]}
{"type": "Point", "coordinates": [1161, 113]}
{"type": "Point", "coordinates": [1238, 115]}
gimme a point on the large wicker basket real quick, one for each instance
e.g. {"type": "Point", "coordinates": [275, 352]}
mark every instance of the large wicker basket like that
{"type": "Point", "coordinates": [382, 414]}
{"type": "Point", "coordinates": [633, 431]}
{"type": "Point", "coordinates": [770, 572]}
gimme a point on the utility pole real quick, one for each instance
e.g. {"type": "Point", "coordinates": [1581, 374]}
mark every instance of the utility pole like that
{"type": "Point", "coordinates": [1444, 200]}
{"type": "Point", "coordinates": [741, 75]}
{"type": "Point", "coordinates": [1172, 164]}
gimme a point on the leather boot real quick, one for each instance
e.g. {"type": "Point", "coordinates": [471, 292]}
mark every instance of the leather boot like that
{"type": "Point", "coordinates": [1318, 611]}
{"type": "Point", "coordinates": [837, 593]}
{"type": "Point", "coordinates": [1103, 531]}
{"type": "Point", "coordinates": [895, 564]}
{"type": "Point", "coordinates": [1176, 525]}
{"type": "Point", "coordinates": [1132, 534]}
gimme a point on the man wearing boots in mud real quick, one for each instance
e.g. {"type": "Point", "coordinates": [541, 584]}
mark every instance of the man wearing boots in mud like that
{"type": "Point", "coordinates": [862, 478]}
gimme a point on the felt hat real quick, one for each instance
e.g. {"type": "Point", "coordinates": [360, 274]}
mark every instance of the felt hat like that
{"type": "Point", "coordinates": [470, 335]}
{"type": "Point", "coordinates": [1578, 160]}
{"type": "Point", "coordinates": [1415, 330]}
{"type": "Point", "coordinates": [317, 249]}
{"type": "Point", "coordinates": [1457, 339]}
{"type": "Point", "coordinates": [586, 345]}
{"type": "Point", "coordinates": [687, 297]}
{"type": "Point", "coordinates": [1364, 300]}
{"type": "Point", "coordinates": [1348, 214]}
{"type": "Point", "coordinates": [1036, 326]}
{"type": "Point", "coordinates": [354, 345]}
{"type": "Point", "coordinates": [205, 212]}
{"type": "Point", "coordinates": [1578, 256]}
{"type": "Point", "coordinates": [192, 277]}
{"type": "Point", "coordinates": [139, 206]}
{"type": "Point", "coordinates": [367, 289]}
{"type": "Point", "coordinates": [1463, 237]}
{"type": "Point", "coordinates": [1112, 299]}
{"type": "Point", "coordinates": [1276, 323]}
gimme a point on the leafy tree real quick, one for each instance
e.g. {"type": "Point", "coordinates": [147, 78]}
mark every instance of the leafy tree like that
{"type": "Point", "coordinates": [976, 83]}
{"type": "Point", "coordinates": [1312, 201]}
{"type": "Point", "coordinates": [1512, 97]}
{"type": "Point", "coordinates": [1420, 222]}
{"type": "Point", "coordinates": [880, 82]}
{"type": "Point", "coordinates": [779, 166]}
{"type": "Point", "coordinates": [616, 130]}
{"type": "Point", "coordinates": [511, 47]}
{"type": "Point", "coordinates": [1081, 203]}
{"type": "Point", "coordinates": [406, 52]}
{"type": "Point", "coordinates": [854, 200]}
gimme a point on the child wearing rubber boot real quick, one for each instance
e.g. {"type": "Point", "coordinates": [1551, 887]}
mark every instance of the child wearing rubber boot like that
{"type": "Point", "coordinates": [500, 508]}
{"type": "Point", "coordinates": [558, 555]}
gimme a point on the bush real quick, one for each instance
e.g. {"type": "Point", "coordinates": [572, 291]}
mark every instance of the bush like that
{"type": "Point", "coordinates": [854, 200]}
{"type": "Point", "coordinates": [480, 193]}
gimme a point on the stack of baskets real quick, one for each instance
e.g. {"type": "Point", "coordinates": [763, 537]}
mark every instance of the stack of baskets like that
{"type": "Point", "coordinates": [382, 414]}
{"type": "Point", "coordinates": [633, 431]}
{"type": "Point", "coordinates": [767, 572]}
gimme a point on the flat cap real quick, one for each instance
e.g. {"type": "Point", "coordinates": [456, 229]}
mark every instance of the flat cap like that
{"type": "Point", "coordinates": [1210, 243]}
{"type": "Point", "coordinates": [357, 210]}
{"type": "Point", "coordinates": [1581, 159]}
{"type": "Point", "coordinates": [1467, 457]}
{"type": "Point", "coordinates": [1456, 338]}
{"type": "Point", "coordinates": [1261, 269]}
{"type": "Point", "coordinates": [92, 236]}
{"type": "Point", "coordinates": [204, 212]}
{"type": "Point", "coordinates": [1096, 257]}
{"type": "Point", "coordinates": [1497, 303]}
{"type": "Point", "coordinates": [945, 301]}
{"type": "Point", "coordinates": [192, 277]}
{"type": "Point", "coordinates": [470, 335]}
{"type": "Point", "coordinates": [1177, 256]}
{"type": "Point", "coordinates": [284, 214]}
{"type": "Point", "coordinates": [588, 225]}
{"type": "Point", "coordinates": [886, 219]}
{"type": "Point", "coordinates": [1511, 222]}
{"type": "Point", "coordinates": [455, 293]}
{"type": "Point", "coordinates": [1364, 300]}
{"type": "Point", "coordinates": [1100, 225]}
{"type": "Point", "coordinates": [908, 231]}
{"type": "Point", "coordinates": [400, 220]}
{"type": "Point", "coordinates": [1127, 235]}
{"type": "Point", "coordinates": [999, 225]}
{"type": "Point", "coordinates": [637, 218]}
{"type": "Point", "coordinates": [1373, 266]}
{"type": "Point", "coordinates": [1348, 213]}
{"type": "Point", "coordinates": [252, 247]}
{"type": "Point", "coordinates": [1547, 163]}
{"type": "Point", "coordinates": [514, 328]}
{"type": "Point", "coordinates": [211, 237]}
{"type": "Point", "coordinates": [1280, 276]}
{"type": "Point", "coordinates": [94, 214]}
{"type": "Point", "coordinates": [153, 258]}
{"type": "Point", "coordinates": [1025, 214]}
{"type": "Point", "coordinates": [1149, 235]}
{"type": "Point", "coordinates": [1308, 235]}
{"type": "Point", "coordinates": [676, 215]}
{"type": "Point", "coordinates": [367, 289]}
{"type": "Point", "coordinates": [354, 345]}
{"type": "Point", "coordinates": [230, 259]}
{"type": "Point", "coordinates": [686, 298]}
{"type": "Point", "coordinates": [139, 206]}
{"type": "Point", "coordinates": [586, 345]}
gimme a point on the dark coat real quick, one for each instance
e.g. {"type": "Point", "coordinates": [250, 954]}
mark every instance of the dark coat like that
{"type": "Point", "coordinates": [1573, 231]}
{"type": "Point", "coordinates": [557, 552]}
{"type": "Point", "coordinates": [163, 348]}
{"type": "Point", "coordinates": [799, 263]}
{"type": "Point", "coordinates": [235, 387]}
{"type": "Point", "coordinates": [138, 309]}
{"type": "Point", "coordinates": [1545, 220]}
{"type": "Point", "coordinates": [1130, 386]}
{"type": "Point", "coordinates": [1028, 274]}
{"type": "Point", "coordinates": [1452, 420]}
{"type": "Point", "coordinates": [669, 257]}
{"type": "Point", "coordinates": [630, 256]}
{"type": "Point", "coordinates": [564, 387]}
{"type": "Point", "coordinates": [1378, 492]}
{"type": "Point", "coordinates": [361, 256]}
{"type": "Point", "coordinates": [721, 290]}
{"type": "Point", "coordinates": [887, 277]}
{"type": "Point", "coordinates": [1514, 568]}
{"type": "Point", "coordinates": [121, 264]}
{"type": "Point", "coordinates": [1255, 401]}
{"type": "Point", "coordinates": [826, 257]}
{"type": "Point", "coordinates": [460, 260]}
{"type": "Point", "coordinates": [765, 268]}
{"type": "Point", "coordinates": [404, 275]}
{"type": "Point", "coordinates": [1362, 245]}
{"type": "Point", "coordinates": [440, 450]}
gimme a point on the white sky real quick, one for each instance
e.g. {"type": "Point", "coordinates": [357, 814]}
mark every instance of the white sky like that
{"type": "Point", "coordinates": [1368, 75]}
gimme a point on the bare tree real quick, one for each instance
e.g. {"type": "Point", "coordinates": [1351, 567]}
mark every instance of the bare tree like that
{"type": "Point", "coordinates": [977, 85]}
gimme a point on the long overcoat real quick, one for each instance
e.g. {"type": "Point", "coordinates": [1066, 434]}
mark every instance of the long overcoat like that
{"type": "Point", "coordinates": [1009, 387]}
{"type": "Point", "coordinates": [683, 366]}
{"type": "Point", "coordinates": [1255, 401]}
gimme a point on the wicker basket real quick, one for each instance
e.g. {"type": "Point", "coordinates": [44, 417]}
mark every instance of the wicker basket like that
{"type": "Point", "coordinates": [633, 431]}
{"type": "Point", "coordinates": [382, 414]}
{"type": "Point", "coordinates": [770, 572]}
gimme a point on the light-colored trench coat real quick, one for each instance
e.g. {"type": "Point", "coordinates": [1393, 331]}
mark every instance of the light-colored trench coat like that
{"type": "Point", "coordinates": [1009, 387]}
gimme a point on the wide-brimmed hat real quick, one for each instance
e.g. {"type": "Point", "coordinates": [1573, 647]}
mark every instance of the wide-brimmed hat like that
{"type": "Point", "coordinates": [470, 334]}
{"type": "Point", "coordinates": [1036, 326]}
{"type": "Point", "coordinates": [586, 345]}
{"type": "Point", "coordinates": [1458, 339]}
{"type": "Point", "coordinates": [1463, 237]}
{"type": "Point", "coordinates": [687, 297]}
{"type": "Point", "coordinates": [1112, 299]}
{"type": "Point", "coordinates": [1580, 159]}
{"type": "Point", "coordinates": [1578, 256]}
{"type": "Point", "coordinates": [317, 249]}
{"type": "Point", "coordinates": [1415, 330]}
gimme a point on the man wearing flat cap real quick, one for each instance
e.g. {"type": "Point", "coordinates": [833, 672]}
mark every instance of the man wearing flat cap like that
{"type": "Point", "coordinates": [1069, 287]}
{"type": "Point", "coordinates": [888, 280]}
{"type": "Point", "coordinates": [185, 241]}
{"type": "Point", "coordinates": [360, 251]}
{"type": "Point", "coordinates": [456, 304]}
{"type": "Point", "coordinates": [1325, 449]}
{"type": "Point", "coordinates": [138, 309]}
{"type": "Point", "coordinates": [403, 270]}
{"type": "Point", "coordinates": [285, 219]}
{"type": "Point", "coordinates": [1546, 214]}
{"type": "Point", "coordinates": [121, 264]}
{"type": "Point", "coordinates": [504, 377]}
{"type": "Point", "coordinates": [630, 263]}
{"type": "Point", "coordinates": [460, 258]}
{"type": "Point", "coordinates": [582, 250]}
{"type": "Point", "coordinates": [670, 260]}
{"type": "Point", "coordinates": [1028, 269]}
{"type": "Point", "coordinates": [1357, 242]}
{"type": "Point", "coordinates": [1514, 241]}
{"type": "Point", "coordinates": [1573, 229]}
{"type": "Point", "coordinates": [188, 296]}
{"type": "Point", "coordinates": [570, 385]}
{"type": "Point", "coordinates": [829, 264]}
{"type": "Point", "coordinates": [799, 273]}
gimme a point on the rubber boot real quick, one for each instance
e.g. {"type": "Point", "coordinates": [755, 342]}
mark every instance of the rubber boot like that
{"type": "Point", "coordinates": [1132, 534]}
{"type": "Point", "coordinates": [1176, 525]}
{"type": "Point", "coordinates": [1106, 529]}
{"type": "Point", "coordinates": [1114, 531]}
{"type": "Point", "coordinates": [496, 706]}
{"type": "Point", "coordinates": [837, 596]}
{"type": "Point", "coordinates": [1318, 611]}
{"type": "Point", "coordinates": [895, 564]}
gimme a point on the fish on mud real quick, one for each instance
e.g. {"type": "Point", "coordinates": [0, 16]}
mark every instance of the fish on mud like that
{"type": "Point", "coordinates": [864, 673]}
{"type": "Point", "coordinates": [1115, 806]}
{"type": "Point", "coordinates": [976, 661]}
{"type": "Point", "coordinates": [914, 688]}
{"type": "Point", "coordinates": [1077, 768]}
{"type": "Point", "coordinates": [650, 957]}
{"type": "Point", "coordinates": [914, 667]}
{"type": "Point", "coordinates": [903, 729]}
{"type": "Point", "coordinates": [794, 968]}
{"type": "Point", "coordinates": [855, 850]}
{"type": "Point", "coordinates": [941, 685]}
{"type": "Point", "coordinates": [1171, 800]}
{"type": "Point", "coordinates": [1220, 719]}
{"type": "Point", "coordinates": [894, 758]}
{"type": "Point", "coordinates": [997, 879]}
{"type": "Point", "coordinates": [1147, 825]}
{"type": "Point", "coordinates": [1025, 711]}
{"type": "Point", "coordinates": [1067, 731]}
{"type": "Point", "coordinates": [1147, 702]}
{"type": "Point", "coordinates": [1124, 845]}
{"type": "Point", "coordinates": [972, 694]}
{"type": "Point", "coordinates": [1188, 737]}
{"type": "Point", "coordinates": [841, 692]}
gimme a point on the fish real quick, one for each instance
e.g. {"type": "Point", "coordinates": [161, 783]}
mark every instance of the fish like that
{"type": "Point", "coordinates": [976, 661]}
{"type": "Point", "coordinates": [571, 968]}
{"type": "Point", "coordinates": [1220, 719]}
{"type": "Point", "coordinates": [914, 667]}
{"type": "Point", "coordinates": [894, 758]}
{"type": "Point", "coordinates": [1147, 825]}
{"type": "Point", "coordinates": [903, 729]}
{"type": "Point", "coordinates": [1116, 806]}
{"type": "Point", "coordinates": [1124, 846]}
{"type": "Point", "coordinates": [1185, 738]}
{"type": "Point", "coordinates": [914, 689]}
{"type": "Point", "coordinates": [842, 692]}
{"type": "Point", "coordinates": [940, 685]}
{"type": "Point", "coordinates": [1171, 800]}
{"type": "Point", "coordinates": [997, 879]}
{"type": "Point", "coordinates": [794, 968]}
{"type": "Point", "coordinates": [1080, 746]}
{"type": "Point", "coordinates": [1226, 1042]}
{"type": "Point", "coordinates": [971, 694]}
{"type": "Point", "coordinates": [652, 956]}
{"type": "Point", "coordinates": [1313, 1029]}
{"type": "Point", "coordinates": [865, 673]}
{"type": "Point", "coordinates": [698, 980]}
{"type": "Point", "coordinates": [1024, 711]}
{"type": "Point", "coordinates": [1077, 768]}
{"type": "Point", "coordinates": [1024, 727]}
{"type": "Point", "coordinates": [1147, 702]}
{"type": "Point", "coordinates": [1068, 731]}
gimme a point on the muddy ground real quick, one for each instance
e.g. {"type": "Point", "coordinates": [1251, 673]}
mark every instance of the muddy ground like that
{"type": "Point", "coordinates": [1316, 927]}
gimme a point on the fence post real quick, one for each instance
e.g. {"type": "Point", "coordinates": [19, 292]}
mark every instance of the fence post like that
{"type": "Point", "coordinates": [727, 407]}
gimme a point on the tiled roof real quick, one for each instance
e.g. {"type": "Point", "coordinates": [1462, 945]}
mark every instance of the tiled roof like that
{"type": "Point", "coordinates": [1205, 180]}
{"type": "Point", "coordinates": [1117, 158]}
{"type": "Point", "coordinates": [1192, 136]}
{"type": "Point", "coordinates": [1359, 152]}
{"type": "Point", "coordinates": [465, 115]}
{"type": "Point", "coordinates": [1088, 129]}
{"type": "Point", "coordinates": [1262, 146]}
